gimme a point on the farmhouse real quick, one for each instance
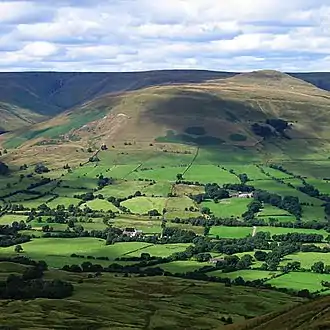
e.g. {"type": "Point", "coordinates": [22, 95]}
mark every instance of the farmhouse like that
{"type": "Point", "coordinates": [242, 195]}
{"type": "Point", "coordinates": [216, 260]}
{"type": "Point", "coordinates": [132, 232]}
{"type": "Point", "coordinates": [245, 195]}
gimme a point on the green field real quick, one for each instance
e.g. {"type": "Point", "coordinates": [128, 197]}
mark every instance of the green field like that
{"type": "Point", "coordinates": [56, 251]}
{"type": "Point", "coordinates": [210, 174]}
{"type": "Point", "coordinates": [66, 201]}
{"type": "Point", "coordinates": [158, 174]}
{"type": "Point", "coordinates": [269, 211]}
{"type": "Point", "coordinates": [142, 157]}
{"type": "Point", "coordinates": [162, 250]}
{"type": "Point", "coordinates": [308, 259]}
{"type": "Point", "coordinates": [226, 208]}
{"type": "Point", "coordinates": [300, 281]}
{"type": "Point", "coordinates": [8, 219]}
{"type": "Point", "coordinates": [141, 205]}
{"type": "Point", "coordinates": [100, 204]}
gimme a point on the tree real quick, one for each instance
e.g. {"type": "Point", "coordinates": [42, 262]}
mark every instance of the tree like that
{"type": "Point", "coordinates": [41, 168]}
{"type": "Point", "coordinates": [18, 249]}
{"type": "Point", "coordinates": [243, 177]}
{"type": "Point", "coordinates": [260, 255]}
{"type": "Point", "coordinates": [206, 230]}
{"type": "Point", "coordinates": [318, 267]}
{"type": "Point", "coordinates": [205, 210]}
{"type": "Point", "coordinates": [153, 213]}
{"type": "Point", "coordinates": [179, 176]}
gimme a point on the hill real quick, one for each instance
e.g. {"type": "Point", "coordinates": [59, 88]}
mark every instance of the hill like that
{"type": "Point", "coordinates": [218, 112]}
{"type": "Point", "coordinates": [13, 117]}
{"type": "Point", "coordinates": [112, 301]}
{"type": "Point", "coordinates": [51, 93]}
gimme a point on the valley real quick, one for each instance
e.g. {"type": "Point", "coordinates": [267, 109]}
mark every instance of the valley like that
{"type": "Point", "coordinates": [212, 194]}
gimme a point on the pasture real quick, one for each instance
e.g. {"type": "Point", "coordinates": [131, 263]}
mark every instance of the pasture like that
{"type": "Point", "coordinates": [141, 205]}
{"type": "Point", "coordinates": [57, 251]}
{"type": "Point", "coordinates": [100, 205]}
{"type": "Point", "coordinates": [210, 174]}
{"type": "Point", "coordinates": [226, 208]}
{"type": "Point", "coordinates": [300, 281]}
{"type": "Point", "coordinates": [8, 219]}
{"type": "Point", "coordinates": [307, 259]}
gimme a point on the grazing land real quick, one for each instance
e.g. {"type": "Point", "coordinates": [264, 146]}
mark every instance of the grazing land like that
{"type": "Point", "coordinates": [216, 204]}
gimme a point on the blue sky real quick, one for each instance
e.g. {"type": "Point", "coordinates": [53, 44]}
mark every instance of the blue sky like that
{"type": "Point", "coordinates": [134, 35]}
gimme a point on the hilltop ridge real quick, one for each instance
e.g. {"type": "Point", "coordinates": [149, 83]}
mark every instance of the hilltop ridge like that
{"type": "Point", "coordinates": [225, 109]}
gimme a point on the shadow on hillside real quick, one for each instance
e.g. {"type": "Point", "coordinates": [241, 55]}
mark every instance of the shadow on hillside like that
{"type": "Point", "coordinates": [188, 110]}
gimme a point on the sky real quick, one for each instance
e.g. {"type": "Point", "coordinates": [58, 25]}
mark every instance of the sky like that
{"type": "Point", "coordinates": [137, 35]}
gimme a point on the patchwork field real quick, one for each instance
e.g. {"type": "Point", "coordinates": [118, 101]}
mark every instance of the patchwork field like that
{"type": "Point", "coordinates": [82, 214]}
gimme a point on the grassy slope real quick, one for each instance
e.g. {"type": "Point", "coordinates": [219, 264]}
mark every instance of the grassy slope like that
{"type": "Point", "coordinates": [154, 303]}
{"type": "Point", "coordinates": [223, 107]}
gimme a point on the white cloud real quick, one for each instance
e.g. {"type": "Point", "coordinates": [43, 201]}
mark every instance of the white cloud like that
{"type": "Point", "coordinates": [39, 49]}
{"type": "Point", "coordinates": [108, 35]}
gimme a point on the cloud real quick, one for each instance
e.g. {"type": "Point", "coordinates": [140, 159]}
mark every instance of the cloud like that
{"type": "Point", "coordinates": [129, 35]}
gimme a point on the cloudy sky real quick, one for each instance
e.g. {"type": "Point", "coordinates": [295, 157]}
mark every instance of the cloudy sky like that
{"type": "Point", "coordinates": [134, 35]}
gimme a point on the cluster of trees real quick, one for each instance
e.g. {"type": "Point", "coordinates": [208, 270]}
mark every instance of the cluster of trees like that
{"type": "Point", "coordinates": [298, 237]}
{"type": "Point", "coordinates": [215, 192]}
{"type": "Point", "coordinates": [9, 234]}
{"type": "Point", "coordinates": [41, 168]}
{"type": "Point", "coordinates": [30, 286]}
{"type": "Point", "coordinates": [212, 191]}
{"type": "Point", "coordinates": [319, 267]}
{"type": "Point", "coordinates": [239, 187]}
{"type": "Point", "coordinates": [4, 169]}
{"type": "Point", "coordinates": [288, 203]}
{"type": "Point", "coordinates": [253, 208]}
{"type": "Point", "coordinates": [104, 181]}
{"type": "Point", "coordinates": [271, 127]}
{"type": "Point", "coordinates": [315, 248]}
{"type": "Point", "coordinates": [232, 263]}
